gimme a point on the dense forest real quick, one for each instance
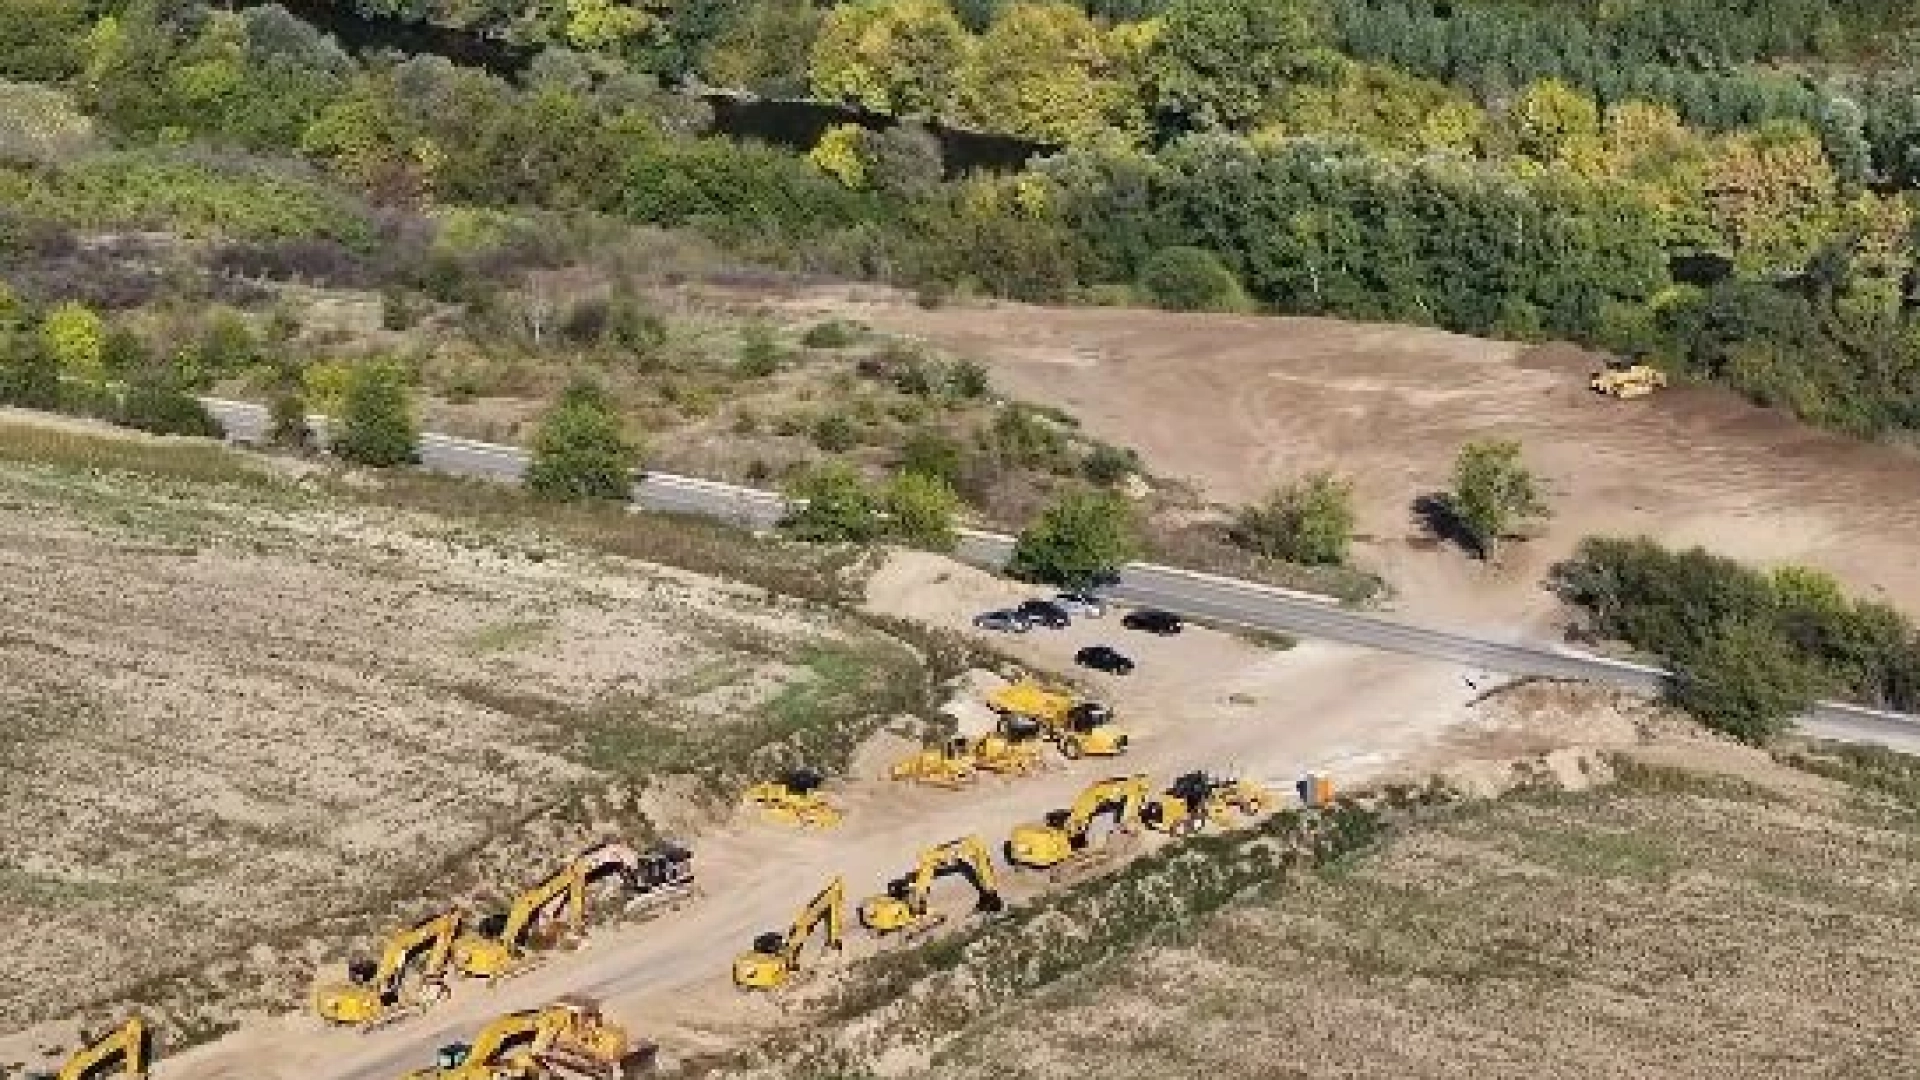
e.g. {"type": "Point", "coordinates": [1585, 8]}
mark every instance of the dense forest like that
{"type": "Point", "coordinates": [1725, 188]}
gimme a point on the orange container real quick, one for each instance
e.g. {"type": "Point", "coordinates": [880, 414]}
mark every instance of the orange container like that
{"type": "Point", "coordinates": [1316, 790]}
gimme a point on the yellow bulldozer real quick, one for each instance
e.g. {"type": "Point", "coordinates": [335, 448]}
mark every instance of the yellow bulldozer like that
{"type": "Point", "coordinates": [371, 996]}
{"type": "Point", "coordinates": [794, 799]}
{"type": "Point", "coordinates": [496, 947]}
{"type": "Point", "coordinates": [1626, 380]}
{"type": "Point", "coordinates": [131, 1044]}
{"type": "Point", "coordinates": [567, 1040]}
{"type": "Point", "coordinates": [948, 765]}
{"type": "Point", "coordinates": [1197, 800]}
{"type": "Point", "coordinates": [1078, 728]}
{"type": "Point", "coordinates": [1061, 842]}
{"type": "Point", "coordinates": [774, 960]}
{"type": "Point", "coordinates": [1013, 748]}
{"type": "Point", "coordinates": [904, 908]}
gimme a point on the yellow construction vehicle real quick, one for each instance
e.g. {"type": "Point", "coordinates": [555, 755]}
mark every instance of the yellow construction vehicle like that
{"type": "Point", "coordinates": [903, 908]}
{"type": "Point", "coordinates": [949, 765]}
{"type": "Point", "coordinates": [795, 799]}
{"type": "Point", "coordinates": [1063, 837]}
{"type": "Point", "coordinates": [569, 1038]}
{"type": "Point", "coordinates": [1078, 728]}
{"type": "Point", "coordinates": [494, 949]}
{"type": "Point", "coordinates": [131, 1043]}
{"type": "Point", "coordinates": [775, 958]}
{"type": "Point", "coordinates": [1625, 380]}
{"type": "Point", "coordinates": [1196, 800]}
{"type": "Point", "coordinates": [371, 996]}
{"type": "Point", "coordinates": [1013, 748]}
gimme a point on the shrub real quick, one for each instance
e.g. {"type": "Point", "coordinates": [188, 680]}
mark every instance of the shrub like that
{"type": "Point", "coordinates": [76, 336]}
{"type": "Point", "coordinates": [1492, 491]}
{"type": "Point", "coordinates": [835, 506]}
{"type": "Point", "coordinates": [832, 334]}
{"type": "Point", "coordinates": [834, 432]}
{"type": "Point", "coordinates": [1080, 536]}
{"type": "Point", "coordinates": [29, 374]}
{"type": "Point", "coordinates": [1191, 279]}
{"type": "Point", "coordinates": [930, 453]}
{"type": "Point", "coordinates": [759, 351]}
{"type": "Point", "coordinates": [969, 381]}
{"type": "Point", "coordinates": [1308, 521]}
{"type": "Point", "coordinates": [376, 426]}
{"type": "Point", "coordinates": [156, 401]}
{"type": "Point", "coordinates": [922, 511]}
{"type": "Point", "coordinates": [289, 427]}
{"type": "Point", "coordinates": [1108, 465]}
{"type": "Point", "coordinates": [580, 451]}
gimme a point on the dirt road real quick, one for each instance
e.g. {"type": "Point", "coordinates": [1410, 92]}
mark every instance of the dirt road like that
{"type": "Point", "coordinates": [1200, 700]}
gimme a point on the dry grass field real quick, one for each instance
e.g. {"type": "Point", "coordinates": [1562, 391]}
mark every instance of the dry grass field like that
{"type": "Point", "coordinates": [249, 722]}
{"type": "Point", "coordinates": [1677, 923]}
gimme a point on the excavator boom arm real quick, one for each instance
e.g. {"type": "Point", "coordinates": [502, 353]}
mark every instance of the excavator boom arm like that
{"type": "Point", "coordinates": [1129, 792]}
{"type": "Point", "coordinates": [437, 932]}
{"type": "Point", "coordinates": [130, 1041]}
{"type": "Point", "coordinates": [570, 882]}
{"type": "Point", "coordinates": [829, 906]}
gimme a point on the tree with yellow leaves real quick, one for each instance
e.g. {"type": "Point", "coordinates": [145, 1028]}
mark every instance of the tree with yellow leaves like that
{"type": "Point", "coordinates": [1042, 70]}
{"type": "Point", "coordinates": [893, 56]}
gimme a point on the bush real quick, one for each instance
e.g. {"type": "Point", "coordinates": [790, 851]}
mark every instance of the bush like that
{"type": "Point", "coordinates": [580, 451]}
{"type": "Point", "coordinates": [1492, 491]}
{"type": "Point", "coordinates": [29, 373]}
{"type": "Point", "coordinates": [759, 351]}
{"type": "Point", "coordinates": [832, 334]}
{"type": "Point", "coordinates": [1309, 521]}
{"type": "Point", "coordinates": [930, 453]}
{"type": "Point", "coordinates": [157, 402]}
{"type": "Point", "coordinates": [376, 426]}
{"type": "Point", "coordinates": [835, 433]}
{"type": "Point", "coordinates": [969, 380]}
{"type": "Point", "coordinates": [289, 428]}
{"type": "Point", "coordinates": [1191, 279]}
{"type": "Point", "coordinates": [1108, 465]}
{"type": "Point", "coordinates": [836, 506]}
{"type": "Point", "coordinates": [922, 511]}
{"type": "Point", "coordinates": [1080, 536]}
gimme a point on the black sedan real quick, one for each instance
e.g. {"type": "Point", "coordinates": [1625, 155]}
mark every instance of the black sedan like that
{"type": "Point", "coordinates": [1045, 613]}
{"type": "Point", "coordinates": [1104, 658]}
{"type": "Point", "coordinates": [1153, 621]}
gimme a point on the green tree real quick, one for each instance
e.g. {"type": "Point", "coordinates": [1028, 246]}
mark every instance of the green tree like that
{"type": "Point", "coordinates": [76, 337]}
{"type": "Point", "coordinates": [1747, 681]}
{"type": "Point", "coordinates": [376, 425]}
{"type": "Point", "coordinates": [764, 49]}
{"type": "Point", "coordinates": [41, 40]}
{"type": "Point", "coordinates": [1551, 116]}
{"type": "Point", "coordinates": [1041, 71]}
{"type": "Point", "coordinates": [834, 505]}
{"type": "Point", "coordinates": [1218, 63]}
{"type": "Point", "coordinates": [922, 510]}
{"type": "Point", "coordinates": [1191, 279]}
{"type": "Point", "coordinates": [1308, 521]}
{"type": "Point", "coordinates": [893, 56]}
{"type": "Point", "coordinates": [1493, 490]}
{"type": "Point", "coordinates": [1080, 535]}
{"type": "Point", "coordinates": [580, 450]}
{"type": "Point", "coordinates": [29, 374]}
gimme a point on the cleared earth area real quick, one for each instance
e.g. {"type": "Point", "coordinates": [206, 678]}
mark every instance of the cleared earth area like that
{"type": "Point", "coordinates": [1707, 914]}
{"type": "Point", "coordinates": [249, 724]}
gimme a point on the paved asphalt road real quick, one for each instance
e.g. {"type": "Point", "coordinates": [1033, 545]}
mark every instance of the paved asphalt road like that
{"type": "Point", "coordinates": [1201, 596]}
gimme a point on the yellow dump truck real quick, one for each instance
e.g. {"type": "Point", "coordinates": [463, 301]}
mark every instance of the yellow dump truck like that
{"type": "Point", "coordinates": [1078, 728]}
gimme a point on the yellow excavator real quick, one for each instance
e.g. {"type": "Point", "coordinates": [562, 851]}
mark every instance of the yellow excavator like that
{"type": "Point", "coordinates": [903, 908]}
{"type": "Point", "coordinates": [1078, 728]}
{"type": "Point", "coordinates": [1061, 839]}
{"type": "Point", "coordinates": [1624, 380]}
{"type": "Point", "coordinates": [371, 996]}
{"type": "Point", "coordinates": [1196, 800]}
{"type": "Point", "coordinates": [131, 1043]}
{"type": "Point", "coordinates": [775, 957]}
{"type": "Point", "coordinates": [567, 1039]}
{"type": "Point", "coordinates": [795, 799]}
{"type": "Point", "coordinates": [495, 948]}
{"type": "Point", "coordinates": [948, 765]}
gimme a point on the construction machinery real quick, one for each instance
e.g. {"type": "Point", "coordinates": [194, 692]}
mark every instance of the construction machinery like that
{"type": "Point", "coordinates": [131, 1044]}
{"type": "Point", "coordinates": [903, 908]}
{"type": "Point", "coordinates": [1013, 748]}
{"type": "Point", "coordinates": [495, 948]}
{"type": "Point", "coordinates": [371, 996]}
{"type": "Point", "coordinates": [1078, 728]}
{"type": "Point", "coordinates": [1196, 800]}
{"type": "Point", "coordinates": [1626, 380]}
{"type": "Point", "coordinates": [1062, 838]}
{"type": "Point", "coordinates": [568, 1040]}
{"type": "Point", "coordinates": [948, 765]}
{"type": "Point", "coordinates": [795, 799]}
{"type": "Point", "coordinates": [775, 957]}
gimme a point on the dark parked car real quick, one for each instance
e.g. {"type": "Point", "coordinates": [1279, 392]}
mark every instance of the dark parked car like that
{"type": "Point", "coordinates": [1153, 621]}
{"type": "Point", "coordinates": [1104, 658]}
{"type": "Point", "coordinates": [1083, 605]}
{"type": "Point", "coordinates": [1007, 622]}
{"type": "Point", "coordinates": [1044, 613]}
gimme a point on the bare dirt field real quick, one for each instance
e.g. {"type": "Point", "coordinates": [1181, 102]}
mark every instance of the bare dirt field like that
{"type": "Point", "coordinates": [247, 724]}
{"type": "Point", "coordinates": [1236, 404]}
{"type": "Point", "coordinates": [1747, 920]}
